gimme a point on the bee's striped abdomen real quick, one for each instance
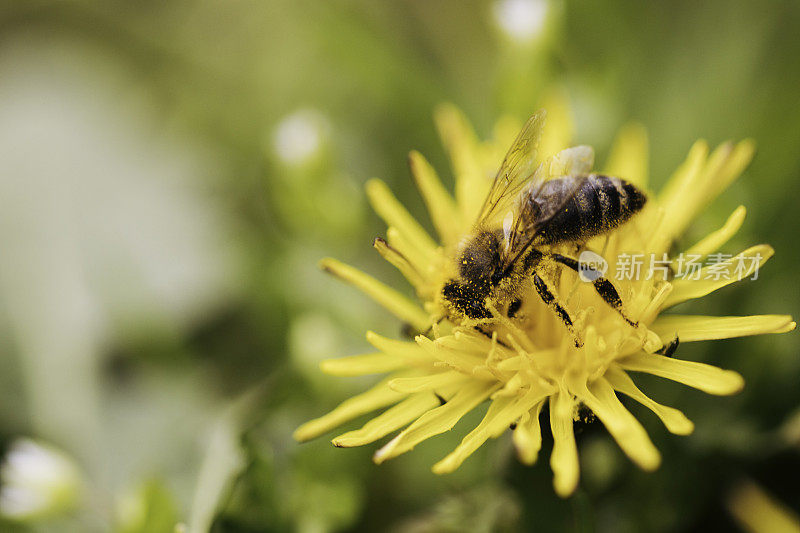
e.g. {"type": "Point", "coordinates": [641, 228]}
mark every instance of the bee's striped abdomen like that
{"type": "Point", "coordinates": [577, 208]}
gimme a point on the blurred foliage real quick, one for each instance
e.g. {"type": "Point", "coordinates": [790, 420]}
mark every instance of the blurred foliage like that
{"type": "Point", "coordinates": [150, 510]}
{"type": "Point", "coordinates": [161, 227]}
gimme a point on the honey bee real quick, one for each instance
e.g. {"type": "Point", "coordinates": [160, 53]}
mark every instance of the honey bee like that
{"type": "Point", "coordinates": [525, 214]}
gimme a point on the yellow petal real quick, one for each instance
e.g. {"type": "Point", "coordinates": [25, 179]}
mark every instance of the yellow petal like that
{"type": "Point", "coordinates": [475, 438]}
{"type": "Point", "coordinates": [457, 359]}
{"type": "Point", "coordinates": [701, 376]}
{"type": "Point", "coordinates": [418, 260]}
{"type": "Point", "coordinates": [629, 157]}
{"type": "Point", "coordinates": [400, 262]}
{"type": "Point", "coordinates": [437, 420]}
{"type": "Point", "coordinates": [504, 132]}
{"type": "Point", "coordinates": [713, 241]}
{"type": "Point", "coordinates": [700, 328]}
{"type": "Point", "coordinates": [527, 436]}
{"type": "Point", "coordinates": [390, 420]}
{"type": "Point", "coordinates": [758, 512]}
{"type": "Point", "coordinates": [623, 426]}
{"type": "Point", "coordinates": [559, 130]}
{"type": "Point", "coordinates": [686, 173]}
{"type": "Point", "coordinates": [396, 303]}
{"type": "Point", "coordinates": [442, 208]}
{"type": "Point", "coordinates": [457, 136]}
{"type": "Point", "coordinates": [512, 364]}
{"type": "Point", "coordinates": [378, 396]}
{"type": "Point", "coordinates": [394, 214]}
{"type": "Point", "coordinates": [673, 197]}
{"type": "Point", "coordinates": [564, 459]}
{"type": "Point", "coordinates": [574, 160]}
{"type": "Point", "coordinates": [361, 365]}
{"type": "Point", "coordinates": [466, 340]}
{"type": "Point", "coordinates": [675, 421]}
{"type": "Point", "coordinates": [697, 187]}
{"type": "Point", "coordinates": [501, 414]}
{"type": "Point", "coordinates": [655, 301]}
{"type": "Point", "coordinates": [461, 144]}
{"type": "Point", "coordinates": [747, 262]}
{"type": "Point", "coordinates": [733, 162]}
{"type": "Point", "coordinates": [429, 382]}
{"type": "Point", "coordinates": [407, 350]}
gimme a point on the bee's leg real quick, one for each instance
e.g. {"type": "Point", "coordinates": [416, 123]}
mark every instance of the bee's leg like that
{"type": "Point", "coordinates": [410, 332]}
{"type": "Point", "coordinates": [604, 288]}
{"type": "Point", "coordinates": [482, 331]}
{"type": "Point", "coordinates": [668, 350]}
{"type": "Point", "coordinates": [549, 298]}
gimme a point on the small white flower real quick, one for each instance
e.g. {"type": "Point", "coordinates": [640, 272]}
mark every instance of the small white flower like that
{"type": "Point", "coordinates": [521, 20]}
{"type": "Point", "coordinates": [299, 136]}
{"type": "Point", "coordinates": [37, 480]}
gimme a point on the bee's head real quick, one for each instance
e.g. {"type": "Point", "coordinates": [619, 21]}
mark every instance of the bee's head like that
{"type": "Point", "coordinates": [479, 261]}
{"type": "Point", "coordinates": [479, 268]}
{"type": "Point", "coordinates": [466, 299]}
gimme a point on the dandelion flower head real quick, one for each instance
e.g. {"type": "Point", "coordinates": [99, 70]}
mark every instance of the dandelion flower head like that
{"type": "Point", "coordinates": [530, 363]}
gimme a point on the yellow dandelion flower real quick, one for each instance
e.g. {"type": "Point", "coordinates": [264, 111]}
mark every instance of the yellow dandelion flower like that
{"type": "Point", "coordinates": [531, 362]}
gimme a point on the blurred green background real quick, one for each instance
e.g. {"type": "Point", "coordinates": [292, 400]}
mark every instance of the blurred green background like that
{"type": "Point", "coordinates": [172, 171]}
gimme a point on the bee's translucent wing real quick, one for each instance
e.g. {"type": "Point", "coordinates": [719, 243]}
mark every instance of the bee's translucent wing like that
{"type": "Point", "coordinates": [530, 213]}
{"type": "Point", "coordinates": [571, 161]}
{"type": "Point", "coordinates": [518, 168]}
{"type": "Point", "coordinates": [533, 216]}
